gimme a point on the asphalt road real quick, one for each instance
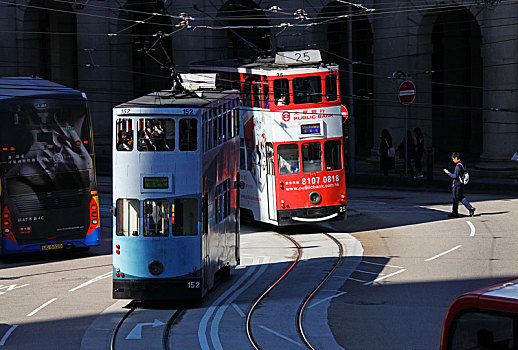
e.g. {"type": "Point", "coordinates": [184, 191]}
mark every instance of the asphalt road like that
{"type": "Point", "coordinates": [405, 262]}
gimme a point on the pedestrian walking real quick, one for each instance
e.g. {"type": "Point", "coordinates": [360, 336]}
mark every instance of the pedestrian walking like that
{"type": "Point", "coordinates": [419, 149]}
{"type": "Point", "coordinates": [458, 187]}
{"type": "Point", "coordinates": [386, 152]}
{"type": "Point", "coordinates": [408, 156]}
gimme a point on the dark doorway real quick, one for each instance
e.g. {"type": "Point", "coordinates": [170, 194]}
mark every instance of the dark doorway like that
{"type": "Point", "coordinates": [50, 42]}
{"type": "Point", "coordinates": [244, 42]}
{"type": "Point", "coordinates": [337, 36]}
{"type": "Point", "coordinates": [456, 83]}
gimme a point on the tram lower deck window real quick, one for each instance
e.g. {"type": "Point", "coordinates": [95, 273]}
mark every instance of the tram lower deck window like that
{"type": "Point", "coordinates": [333, 155]}
{"type": "Point", "coordinates": [127, 217]}
{"type": "Point", "coordinates": [288, 159]}
{"type": "Point", "coordinates": [184, 216]}
{"type": "Point", "coordinates": [156, 218]}
{"type": "Point", "coordinates": [311, 157]}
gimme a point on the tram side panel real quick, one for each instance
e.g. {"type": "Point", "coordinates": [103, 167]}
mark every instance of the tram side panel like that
{"type": "Point", "coordinates": [221, 241]}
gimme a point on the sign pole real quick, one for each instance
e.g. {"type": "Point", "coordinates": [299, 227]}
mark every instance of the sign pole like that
{"type": "Point", "coordinates": [406, 141]}
{"type": "Point", "coordinates": [406, 96]}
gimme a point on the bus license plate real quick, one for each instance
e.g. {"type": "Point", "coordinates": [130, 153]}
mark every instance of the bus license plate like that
{"type": "Point", "coordinates": [52, 246]}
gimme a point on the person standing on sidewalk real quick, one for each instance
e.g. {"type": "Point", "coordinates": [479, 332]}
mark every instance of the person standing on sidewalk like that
{"type": "Point", "coordinates": [458, 187]}
{"type": "Point", "coordinates": [419, 151]}
{"type": "Point", "coordinates": [386, 152]}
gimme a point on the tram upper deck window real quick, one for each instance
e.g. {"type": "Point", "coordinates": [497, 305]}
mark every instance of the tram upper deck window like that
{"type": "Point", "coordinates": [184, 216]}
{"type": "Point", "coordinates": [127, 217]}
{"type": "Point", "coordinates": [247, 94]}
{"type": "Point", "coordinates": [124, 135]}
{"type": "Point", "coordinates": [331, 87]}
{"type": "Point", "coordinates": [288, 159]}
{"type": "Point", "coordinates": [307, 90]}
{"type": "Point", "coordinates": [333, 155]}
{"type": "Point", "coordinates": [156, 218]}
{"type": "Point", "coordinates": [155, 135]}
{"type": "Point", "coordinates": [281, 92]}
{"type": "Point", "coordinates": [311, 157]}
{"type": "Point", "coordinates": [188, 134]}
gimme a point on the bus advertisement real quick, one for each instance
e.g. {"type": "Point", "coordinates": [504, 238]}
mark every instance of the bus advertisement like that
{"type": "Point", "coordinates": [48, 190]}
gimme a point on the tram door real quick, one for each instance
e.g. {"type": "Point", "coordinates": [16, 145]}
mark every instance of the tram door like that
{"type": "Point", "coordinates": [270, 182]}
{"type": "Point", "coordinates": [205, 240]}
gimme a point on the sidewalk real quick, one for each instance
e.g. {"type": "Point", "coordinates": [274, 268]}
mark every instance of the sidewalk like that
{"type": "Point", "coordinates": [368, 175]}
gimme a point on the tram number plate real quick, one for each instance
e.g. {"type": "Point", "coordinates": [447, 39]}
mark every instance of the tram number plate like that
{"type": "Point", "coordinates": [193, 285]}
{"type": "Point", "coordinates": [52, 246]}
{"type": "Point", "coordinates": [343, 209]}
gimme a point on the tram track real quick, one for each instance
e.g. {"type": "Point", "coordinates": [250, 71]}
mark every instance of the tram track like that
{"type": "Point", "coordinates": [165, 335]}
{"type": "Point", "coordinates": [304, 303]}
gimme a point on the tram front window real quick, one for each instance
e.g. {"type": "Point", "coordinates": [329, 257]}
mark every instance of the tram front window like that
{"type": "Point", "coordinates": [184, 216]}
{"type": "Point", "coordinates": [156, 218]}
{"type": "Point", "coordinates": [188, 138]}
{"type": "Point", "coordinates": [127, 217]}
{"type": "Point", "coordinates": [124, 135]}
{"type": "Point", "coordinates": [155, 135]}
{"type": "Point", "coordinates": [333, 155]}
{"type": "Point", "coordinates": [281, 92]}
{"type": "Point", "coordinates": [288, 159]}
{"type": "Point", "coordinates": [307, 90]}
{"type": "Point", "coordinates": [331, 88]}
{"type": "Point", "coordinates": [311, 157]}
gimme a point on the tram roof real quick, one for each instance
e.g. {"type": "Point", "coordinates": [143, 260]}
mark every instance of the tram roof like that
{"type": "Point", "coordinates": [261, 65]}
{"type": "Point", "coordinates": [18, 87]}
{"type": "Point", "coordinates": [167, 98]}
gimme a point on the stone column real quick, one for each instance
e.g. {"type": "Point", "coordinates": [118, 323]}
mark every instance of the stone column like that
{"type": "Point", "coordinates": [500, 129]}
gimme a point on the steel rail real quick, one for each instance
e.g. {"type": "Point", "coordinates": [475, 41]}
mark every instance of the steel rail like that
{"type": "Point", "coordinates": [254, 306]}
{"type": "Point", "coordinates": [116, 331]}
{"type": "Point", "coordinates": [167, 330]}
{"type": "Point", "coordinates": [308, 298]}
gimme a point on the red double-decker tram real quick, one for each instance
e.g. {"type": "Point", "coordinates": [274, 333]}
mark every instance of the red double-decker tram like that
{"type": "Point", "coordinates": [292, 166]}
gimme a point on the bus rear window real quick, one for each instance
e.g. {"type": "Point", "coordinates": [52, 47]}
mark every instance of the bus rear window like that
{"type": "Point", "coordinates": [288, 159]}
{"type": "Point", "coordinates": [127, 217]}
{"type": "Point", "coordinates": [281, 92]}
{"type": "Point", "coordinates": [311, 157]}
{"type": "Point", "coordinates": [333, 155]}
{"type": "Point", "coordinates": [184, 216]}
{"type": "Point", "coordinates": [307, 90]}
{"type": "Point", "coordinates": [188, 134]}
{"type": "Point", "coordinates": [155, 135]}
{"type": "Point", "coordinates": [156, 218]}
{"type": "Point", "coordinates": [331, 88]}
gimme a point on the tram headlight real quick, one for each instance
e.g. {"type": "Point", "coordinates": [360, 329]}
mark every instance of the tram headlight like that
{"type": "Point", "coordinates": [315, 197]}
{"type": "Point", "coordinates": [156, 268]}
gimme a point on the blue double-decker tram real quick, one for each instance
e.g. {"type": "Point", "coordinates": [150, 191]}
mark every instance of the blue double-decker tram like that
{"type": "Point", "coordinates": [175, 193]}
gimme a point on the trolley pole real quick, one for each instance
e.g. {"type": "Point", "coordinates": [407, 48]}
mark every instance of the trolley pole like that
{"type": "Point", "coordinates": [350, 107]}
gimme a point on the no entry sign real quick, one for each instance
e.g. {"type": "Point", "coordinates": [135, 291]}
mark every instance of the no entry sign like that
{"type": "Point", "coordinates": [406, 93]}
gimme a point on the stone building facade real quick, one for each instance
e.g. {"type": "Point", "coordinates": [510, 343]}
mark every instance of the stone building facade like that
{"type": "Point", "coordinates": [459, 54]}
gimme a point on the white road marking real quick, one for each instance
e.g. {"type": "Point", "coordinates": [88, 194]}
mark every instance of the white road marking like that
{"type": "Point", "coordinates": [238, 310]}
{"type": "Point", "coordinates": [382, 278]}
{"type": "Point", "coordinates": [328, 298]}
{"type": "Point", "coordinates": [98, 278]}
{"type": "Point", "coordinates": [42, 306]}
{"type": "Point", "coordinates": [214, 327]}
{"type": "Point", "coordinates": [11, 287]}
{"type": "Point", "coordinates": [202, 328]}
{"type": "Point", "coordinates": [378, 264]}
{"type": "Point", "coordinates": [356, 280]}
{"type": "Point", "coordinates": [136, 332]}
{"type": "Point", "coordinates": [430, 208]}
{"type": "Point", "coordinates": [444, 253]}
{"type": "Point", "coordinates": [368, 272]}
{"type": "Point", "coordinates": [281, 336]}
{"type": "Point", "coordinates": [472, 228]}
{"type": "Point", "coordinates": [7, 334]}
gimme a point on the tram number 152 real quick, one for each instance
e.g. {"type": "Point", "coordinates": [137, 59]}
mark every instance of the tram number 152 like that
{"type": "Point", "coordinates": [193, 285]}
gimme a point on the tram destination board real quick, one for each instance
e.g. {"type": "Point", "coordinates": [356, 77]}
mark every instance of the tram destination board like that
{"type": "Point", "coordinates": [309, 129]}
{"type": "Point", "coordinates": [156, 183]}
